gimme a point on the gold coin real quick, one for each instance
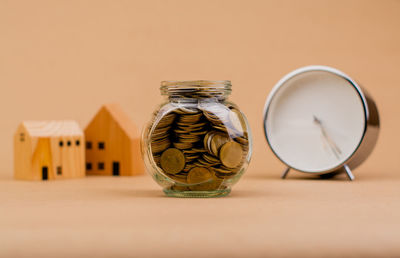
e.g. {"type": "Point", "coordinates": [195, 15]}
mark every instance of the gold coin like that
{"type": "Point", "coordinates": [180, 188]}
{"type": "Point", "coordinates": [205, 140]}
{"type": "Point", "coordinates": [199, 150]}
{"type": "Point", "coordinates": [157, 147]}
{"type": "Point", "coordinates": [156, 158]}
{"type": "Point", "coordinates": [160, 145]}
{"type": "Point", "coordinates": [231, 154]}
{"type": "Point", "coordinates": [203, 162]}
{"type": "Point", "coordinates": [191, 125]}
{"type": "Point", "coordinates": [211, 159]}
{"type": "Point", "coordinates": [183, 111]}
{"type": "Point", "coordinates": [185, 140]}
{"type": "Point", "coordinates": [191, 151]}
{"type": "Point", "coordinates": [242, 141]}
{"type": "Point", "coordinates": [198, 164]}
{"type": "Point", "coordinates": [165, 121]}
{"type": "Point", "coordinates": [214, 183]}
{"type": "Point", "coordinates": [189, 136]}
{"type": "Point", "coordinates": [190, 159]}
{"type": "Point", "coordinates": [188, 167]}
{"type": "Point", "coordinates": [224, 170]}
{"type": "Point", "coordinates": [182, 146]}
{"type": "Point", "coordinates": [180, 177]}
{"type": "Point", "coordinates": [198, 132]}
{"type": "Point", "coordinates": [217, 141]}
{"type": "Point", "coordinates": [198, 175]}
{"type": "Point", "coordinates": [225, 175]}
{"type": "Point", "coordinates": [160, 132]}
{"type": "Point", "coordinates": [222, 128]}
{"type": "Point", "coordinates": [172, 161]}
{"type": "Point", "coordinates": [187, 119]}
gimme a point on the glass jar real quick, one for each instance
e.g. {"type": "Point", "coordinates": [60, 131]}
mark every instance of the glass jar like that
{"type": "Point", "coordinates": [197, 144]}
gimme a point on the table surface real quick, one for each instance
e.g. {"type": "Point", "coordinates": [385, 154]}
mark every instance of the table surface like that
{"type": "Point", "coordinates": [263, 216]}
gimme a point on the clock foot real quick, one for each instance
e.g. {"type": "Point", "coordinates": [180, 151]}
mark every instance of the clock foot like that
{"type": "Point", "coordinates": [284, 174]}
{"type": "Point", "coordinates": [348, 172]}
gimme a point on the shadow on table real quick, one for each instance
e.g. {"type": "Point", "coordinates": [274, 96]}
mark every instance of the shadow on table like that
{"type": "Point", "coordinates": [141, 193]}
{"type": "Point", "coordinates": [247, 194]}
{"type": "Point", "coordinates": [159, 194]}
{"type": "Point", "coordinates": [359, 176]}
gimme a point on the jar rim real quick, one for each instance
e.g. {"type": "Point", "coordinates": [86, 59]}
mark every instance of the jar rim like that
{"type": "Point", "coordinates": [197, 88]}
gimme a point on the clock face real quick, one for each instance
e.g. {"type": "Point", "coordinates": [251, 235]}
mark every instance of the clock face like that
{"type": "Point", "coordinates": [315, 120]}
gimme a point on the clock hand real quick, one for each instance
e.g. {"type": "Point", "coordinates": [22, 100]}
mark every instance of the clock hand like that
{"type": "Point", "coordinates": [335, 149]}
{"type": "Point", "coordinates": [326, 136]}
{"type": "Point", "coordinates": [327, 139]}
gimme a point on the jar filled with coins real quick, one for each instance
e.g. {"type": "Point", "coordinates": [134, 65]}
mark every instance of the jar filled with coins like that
{"type": "Point", "coordinates": [197, 144]}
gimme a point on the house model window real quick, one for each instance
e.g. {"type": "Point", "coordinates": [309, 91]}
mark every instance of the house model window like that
{"type": "Point", "coordinates": [77, 143]}
{"type": "Point", "coordinates": [100, 165]}
{"type": "Point", "coordinates": [88, 166]}
{"type": "Point", "coordinates": [61, 143]}
{"type": "Point", "coordinates": [69, 143]}
{"type": "Point", "coordinates": [22, 137]}
{"type": "Point", "coordinates": [59, 170]}
{"type": "Point", "coordinates": [101, 145]}
{"type": "Point", "coordinates": [89, 145]}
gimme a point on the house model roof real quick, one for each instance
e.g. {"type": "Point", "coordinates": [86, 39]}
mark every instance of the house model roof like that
{"type": "Point", "coordinates": [121, 118]}
{"type": "Point", "coordinates": [52, 128]}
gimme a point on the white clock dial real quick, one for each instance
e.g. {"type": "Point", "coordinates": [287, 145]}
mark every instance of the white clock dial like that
{"type": "Point", "coordinates": [315, 120]}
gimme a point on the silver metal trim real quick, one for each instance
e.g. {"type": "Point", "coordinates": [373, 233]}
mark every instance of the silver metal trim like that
{"type": "Point", "coordinates": [285, 173]}
{"type": "Point", "coordinates": [348, 172]}
{"type": "Point", "coordinates": [371, 127]}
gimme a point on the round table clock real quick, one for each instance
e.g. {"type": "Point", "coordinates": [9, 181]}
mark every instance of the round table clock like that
{"type": "Point", "coordinates": [319, 121]}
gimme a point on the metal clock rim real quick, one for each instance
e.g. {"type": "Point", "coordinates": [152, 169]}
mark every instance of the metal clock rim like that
{"type": "Point", "coordinates": [324, 69]}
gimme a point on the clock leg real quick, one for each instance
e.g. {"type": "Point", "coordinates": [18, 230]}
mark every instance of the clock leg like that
{"type": "Point", "coordinates": [284, 174]}
{"type": "Point", "coordinates": [348, 172]}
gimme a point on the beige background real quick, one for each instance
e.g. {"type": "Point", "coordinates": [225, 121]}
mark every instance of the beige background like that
{"type": "Point", "coordinates": [63, 59]}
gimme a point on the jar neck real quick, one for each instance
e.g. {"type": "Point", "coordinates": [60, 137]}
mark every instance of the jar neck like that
{"type": "Point", "coordinates": [195, 90]}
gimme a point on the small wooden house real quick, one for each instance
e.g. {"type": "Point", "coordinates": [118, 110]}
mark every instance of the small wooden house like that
{"type": "Point", "coordinates": [112, 144]}
{"type": "Point", "coordinates": [46, 150]}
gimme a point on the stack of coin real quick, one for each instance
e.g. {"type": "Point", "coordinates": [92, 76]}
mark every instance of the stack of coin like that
{"type": "Point", "coordinates": [197, 93]}
{"type": "Point", "coordinates": [199, 148]}
{"type": "Point", "coordinates": [160, 139]}
{"type": "Point", "coordinates": [214, 140]}
{"type": "Point", "coordinates": [188, 129]}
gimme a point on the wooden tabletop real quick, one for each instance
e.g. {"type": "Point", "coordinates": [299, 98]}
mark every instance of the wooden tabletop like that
{"type": "Point", "coordinates": [263, 216]}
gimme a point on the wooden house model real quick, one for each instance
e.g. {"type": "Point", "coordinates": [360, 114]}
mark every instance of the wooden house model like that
{"type": "Point", "coordinates": [112, 144]}
{"type": "Point", "coordinates": [45, 150]}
